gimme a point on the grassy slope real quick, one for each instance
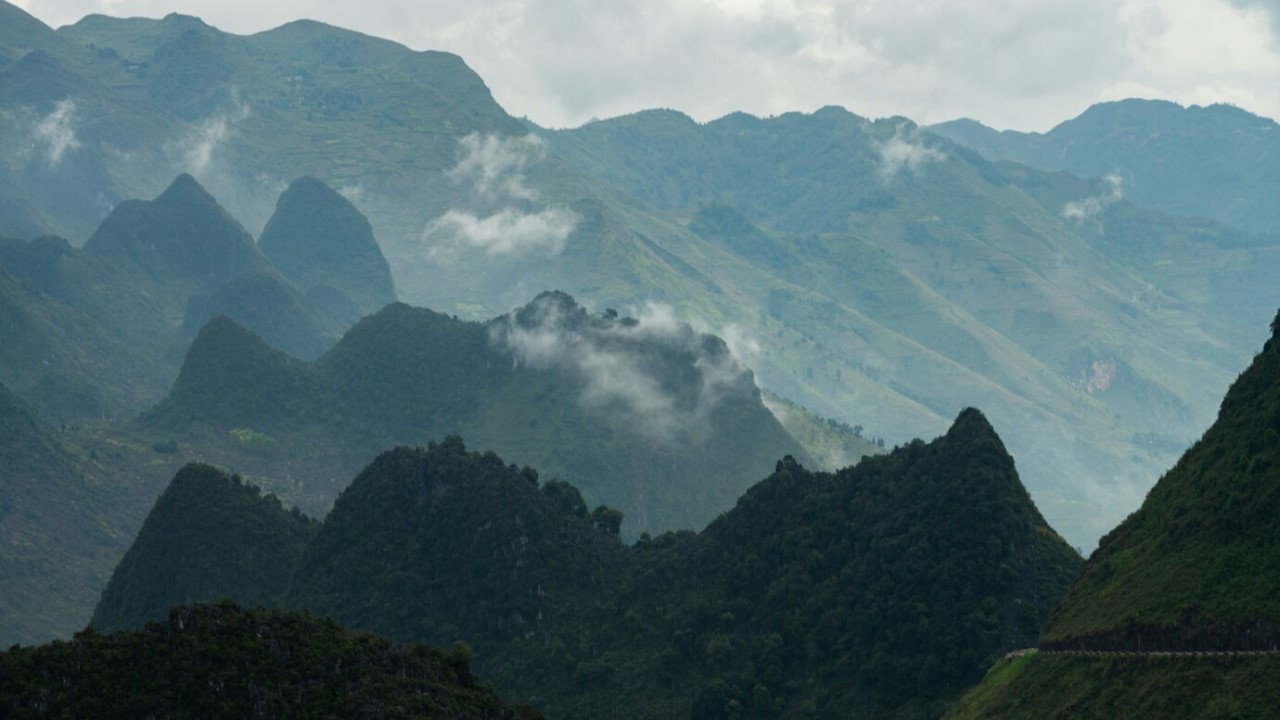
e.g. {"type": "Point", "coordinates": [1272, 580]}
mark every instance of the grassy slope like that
{"type": "Point", "coordinates": [1200, 561]}
{"type": "Point", "coordinates": [1057, 687]}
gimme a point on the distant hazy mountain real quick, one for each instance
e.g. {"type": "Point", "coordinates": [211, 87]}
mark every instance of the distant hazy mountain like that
{"type": "Point", "coordinates": [911, 263]}
{"type": "Point", "coordinates": [645, 415]}
{"type": "Point", "coordinates": [1217, 162]}
{"type": "Point", "coordinates": [320, 241]}
{"type": "Point", "coordinates": [99, 331]}
{"type": "Point", "coordinates": [1197, 568]}
{"type": "Point", "coordinates": [880, 590]}
{"type": "Point", "coordinates": [220, 660]}
{"type": "Point", "coordinates": [870, 271]}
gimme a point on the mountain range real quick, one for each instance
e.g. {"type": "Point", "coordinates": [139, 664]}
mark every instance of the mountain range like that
{"type": "Point", "coordinates": [883, 587]}
{"type": "Point", "coordinates": [870, 271]}
{"type": "Point", "coordinates": [1214, 162]}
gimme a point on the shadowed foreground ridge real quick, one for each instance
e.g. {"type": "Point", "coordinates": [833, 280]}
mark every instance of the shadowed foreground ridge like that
{"type": "Point", "coordinates": [221, 661]}
{"type": "Point", "coordinates": [881, 589]}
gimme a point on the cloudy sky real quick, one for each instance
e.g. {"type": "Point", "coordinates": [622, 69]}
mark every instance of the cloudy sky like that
{"type": "Point", "coordinates": [1021, 64]}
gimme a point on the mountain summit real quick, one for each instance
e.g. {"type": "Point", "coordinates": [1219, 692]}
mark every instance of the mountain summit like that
{"type": "Point", "coordinates": [319, 240]}
{"type": "Point", "coordinates": [183, 235]}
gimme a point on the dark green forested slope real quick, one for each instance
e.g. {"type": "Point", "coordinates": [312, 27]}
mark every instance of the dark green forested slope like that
{"type": "Point", "coordinates": [1198, 566]}
{"type": "Point", "coordinates": [549, 385]}
{"type": "Point", "coordinates": [210, 536]}
{"type": "Point", "coordinates": [878, 590]}
{"type": "Point", "coordinates": [318, 240]}
{"type": "Point", "coordinates": [885, 587]}
{"type": "Point", "coordinates": [221, 661]}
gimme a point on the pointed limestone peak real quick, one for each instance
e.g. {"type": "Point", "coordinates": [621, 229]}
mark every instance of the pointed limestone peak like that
{"type": "Point", "coordinates": [232, 378]}
{"type": "Point", "coordinates": [185, 190]}
{"type": "Point", "coordinates": [317, 238]}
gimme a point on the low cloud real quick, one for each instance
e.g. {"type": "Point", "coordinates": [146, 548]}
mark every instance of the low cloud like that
{"type": "Point", "coordinates": [55, 131]}
{"type": "Point", "coordinates": [494, 166]}
{"type": "Point", "coordinates": [654, 372]}
{"type": "Point", "coordinates": [198, 151]}
{"type": "Point", "coordinates": [1081, 211]}
{"type": "Point", "coordinates": [502, 217]}
{"type": "Point", "coordinates": [506, 232]}
{"type": "Point", "coordinates": [906, 151]}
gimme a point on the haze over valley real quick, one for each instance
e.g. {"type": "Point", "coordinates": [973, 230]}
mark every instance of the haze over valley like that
{"type": "Point", "coordinates": [696, 412]}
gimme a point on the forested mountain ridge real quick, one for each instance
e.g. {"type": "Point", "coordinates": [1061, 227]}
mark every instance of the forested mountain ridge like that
{"type": "Point", "coordinates": [322, 243]}
{"type": "Point", "coordinates": [1196, 569]}
{"type": "Point", "coordinates": [882, 588]}
{"type": "Point", "coordinates": [549, 385]}
{"type": "Point", "coordinates": [220, 660]}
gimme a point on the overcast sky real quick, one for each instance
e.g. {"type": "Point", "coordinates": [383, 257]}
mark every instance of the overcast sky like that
{"type": "Point", "coordinates": [1020, 64]}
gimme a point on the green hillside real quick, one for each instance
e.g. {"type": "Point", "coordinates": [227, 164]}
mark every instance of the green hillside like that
{"type": "Point", "coordinates": [1059, 687]}
{"type": "Point", "coordinates": [221, 661]}
{"type": "Point", "coordinates": [60, 358]}
{"type": "Point", "coordinates": [882, 588]}
{"type": "Point", "coordinates": [1195, 569]}
{"type": "Point", "coordinates": [908, 262]}
{"type": "Point", "coordinates": [210, 536]}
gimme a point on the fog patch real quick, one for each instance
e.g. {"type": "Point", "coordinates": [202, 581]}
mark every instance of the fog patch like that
{"type": "Point", "coordinates": [502, 216]}
{"type": "Point", "coordinates": [1081, 211]}
{"type": "Point", "coordinates": [505, 232]}
{"type": "Point", "coordinates": [654, 373]}
{"type": "Point", "coordinates": [55, 131]}
{"type": "Point", "coordinates": [197, 152]}
{"type": "Point", "coordinates": [906, 151]}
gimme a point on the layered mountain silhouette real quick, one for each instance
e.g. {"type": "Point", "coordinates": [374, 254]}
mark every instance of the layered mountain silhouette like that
{"type": "Point", "coordinates": [1197, 567]}
{"type": "Point", "coordinates": [882, 588]}
{"type": "Point", "coordinates": [548, 385]}
{"type": "Point", "coordinates": [890, 277]}
{"type": "Point", "coordinates": [225, 661]}
{"type": "Point", "coordinates": [104, 327]}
